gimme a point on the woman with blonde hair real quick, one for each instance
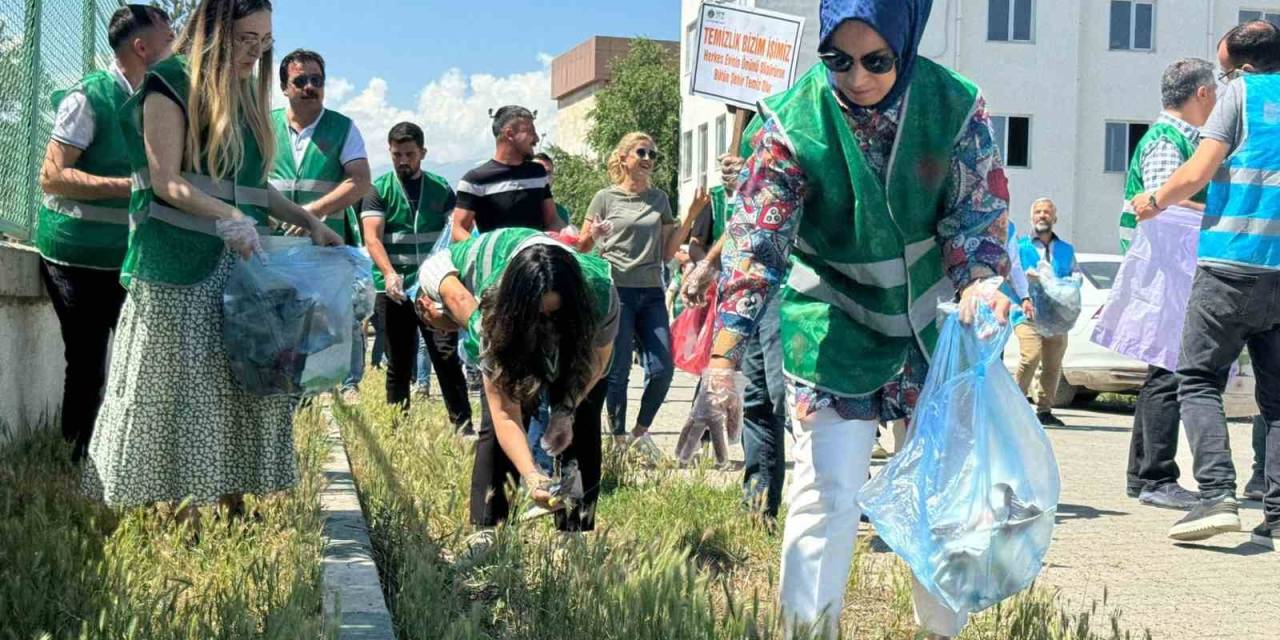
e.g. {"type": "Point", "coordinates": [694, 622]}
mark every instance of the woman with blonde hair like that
{"type": "Point", "coordinates": [637, 234]}
{"type": "Point", "coordinates": [174, 426]}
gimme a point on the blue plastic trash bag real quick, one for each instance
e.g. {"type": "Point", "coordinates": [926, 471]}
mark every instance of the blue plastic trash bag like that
{"type": "Point", "coordinates": [1057, 301]}
{"type": "Point", "coordinates": [287, 318]}
{"type": "Point", "coordinates": [969, 503]}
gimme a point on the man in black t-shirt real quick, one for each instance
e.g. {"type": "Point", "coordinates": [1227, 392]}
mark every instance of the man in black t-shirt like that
{"type": "Point", "coordinates": [510, 190]}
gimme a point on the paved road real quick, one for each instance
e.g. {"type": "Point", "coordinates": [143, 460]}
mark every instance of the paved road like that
{"type": "Point", "coordinates": [1225, 588]}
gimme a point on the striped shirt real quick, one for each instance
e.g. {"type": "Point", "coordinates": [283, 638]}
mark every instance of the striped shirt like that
{"type": "Point", "coordinates": [505, 196]}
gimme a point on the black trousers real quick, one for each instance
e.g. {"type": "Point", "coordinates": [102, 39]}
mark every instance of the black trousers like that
{"type": "Point", "coordinates": [1154, 443]}
{"type": "Point", "coordinates": [493, 470]}
{"type": "Point", "coordinates": [87, 303]}
{"type": "Point", "coordinates": [401, 329]}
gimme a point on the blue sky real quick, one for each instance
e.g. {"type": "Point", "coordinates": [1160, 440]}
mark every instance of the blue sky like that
{"type": "Point", "coordinates": [443, 64]}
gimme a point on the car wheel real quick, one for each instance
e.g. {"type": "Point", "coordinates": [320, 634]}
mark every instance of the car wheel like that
{"type": "Point", "coordinates": [1066, 394]}
{"type": "Point", "coordinates": [1084, 396]}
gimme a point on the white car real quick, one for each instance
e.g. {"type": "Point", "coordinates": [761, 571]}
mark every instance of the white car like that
{"type": "Point", "coordinates": [1088, 369]}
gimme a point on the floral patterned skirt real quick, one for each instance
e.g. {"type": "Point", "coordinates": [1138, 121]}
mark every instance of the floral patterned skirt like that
{"type": "Point", "coordinates": [173, 424]}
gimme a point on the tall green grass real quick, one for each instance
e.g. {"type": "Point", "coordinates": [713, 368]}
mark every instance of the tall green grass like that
{"type": "Point", "coordinates": [70, 568]}
{"type": "Point", "coordinates": [674, 556]}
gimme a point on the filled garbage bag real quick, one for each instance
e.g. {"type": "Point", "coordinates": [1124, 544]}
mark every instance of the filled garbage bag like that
{"type": "Point", "coordinates": [288, 316]}
{"type": "Point", "coordinates": [969, 503]}
{"type": "Point", "coordinates": [1057, 301]}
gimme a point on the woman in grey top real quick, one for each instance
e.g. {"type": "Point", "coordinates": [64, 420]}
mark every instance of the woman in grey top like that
{"type": "Point", "coordinates": [632, 224]}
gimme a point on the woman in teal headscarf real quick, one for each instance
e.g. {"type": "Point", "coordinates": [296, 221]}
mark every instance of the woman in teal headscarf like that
{"type": "Point", "coordinates": [874, 191]}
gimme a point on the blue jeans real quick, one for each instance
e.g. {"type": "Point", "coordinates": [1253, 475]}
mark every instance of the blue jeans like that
{"type": "Point", "coordinates": [357, 359]}
{"type": "Point", "coordinates": [422, 369]}
{"type": "Point", "coordinates": [764, 414]}
{"type": "Point", "coordinates": [537, 426]}
{"type": "Point", "coordinates": [1226, 314]}
{"type": "Point", "coordinates": [643, 318]}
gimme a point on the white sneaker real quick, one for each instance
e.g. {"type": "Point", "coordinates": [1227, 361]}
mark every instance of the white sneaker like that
{"type": "Point", "coordinates": [878, 452]}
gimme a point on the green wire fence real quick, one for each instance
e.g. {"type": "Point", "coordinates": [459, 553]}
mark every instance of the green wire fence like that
{"type": "Point", "coordinates": [45, 45]}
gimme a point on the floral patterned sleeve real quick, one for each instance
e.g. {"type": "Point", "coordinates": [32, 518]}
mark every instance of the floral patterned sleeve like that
{"type": "Point", "coordinates": [760, 232]}
{"type": "Point", "coordinates": [973, 228]}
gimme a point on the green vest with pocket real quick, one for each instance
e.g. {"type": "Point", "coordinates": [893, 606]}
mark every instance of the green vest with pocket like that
{"type": "Point", "coordinates": [409, 235]}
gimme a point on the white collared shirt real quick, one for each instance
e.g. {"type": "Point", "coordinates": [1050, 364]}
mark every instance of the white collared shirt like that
{"type": "Point", "coordinates": [75, 124]}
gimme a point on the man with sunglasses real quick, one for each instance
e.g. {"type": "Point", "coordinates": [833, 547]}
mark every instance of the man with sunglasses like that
{"type": "Point", "coordinates": [320, 163]}
{"type": "Point", "coordinates": [1235, 298]}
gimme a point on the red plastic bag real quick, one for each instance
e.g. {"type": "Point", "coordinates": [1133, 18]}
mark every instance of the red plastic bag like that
{"type": "Point", "coordinates": [691, 336]}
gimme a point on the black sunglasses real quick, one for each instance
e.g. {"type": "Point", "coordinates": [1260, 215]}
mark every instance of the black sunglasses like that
{"type": "Point", "coordinates": [316, 80]}
{"type": "Point", "coordinates": [647, 154]}
{"type": "Point", "coordinates": [877, 62]}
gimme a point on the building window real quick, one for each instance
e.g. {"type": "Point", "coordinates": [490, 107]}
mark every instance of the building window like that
{"type": "Point", "coordinates": [690, 46]}
{"type": "Point", "coordinates": [1009, 20]}
{"type": "Point", "coordinates": [1013, 136]}
{"type": "Point", "coordinates": [1133, 25]}
{"type": "Point", "coordinates": [1122, 141]}
{"type": "Point", "coordinates": [722, 135]}
{"type": "Point", "coordinates": [1249, 15]}
{"type": "Point", "coordinates": [701, 158]}
{"type": "Point", "coordinates": [686, 155]}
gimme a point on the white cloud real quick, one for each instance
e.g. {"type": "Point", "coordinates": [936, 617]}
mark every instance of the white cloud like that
{"type": "Point", "coordinates": [453, 111]}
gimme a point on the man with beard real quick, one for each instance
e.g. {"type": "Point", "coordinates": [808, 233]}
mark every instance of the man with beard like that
{"type": "Point", "coordinates": [401, 220]}
{"type": "Point", "coordinates": [320, 163]}
{"type": "Point", "coordinates": [1037, 350]}
{"type": "Point", "coordinates": [511, 190]}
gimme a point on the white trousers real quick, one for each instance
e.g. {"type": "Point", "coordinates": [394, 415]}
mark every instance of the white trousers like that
{"type": "Point", "coordinates": [832, 460]}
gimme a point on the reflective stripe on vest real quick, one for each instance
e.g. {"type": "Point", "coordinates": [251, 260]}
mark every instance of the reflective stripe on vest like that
{"type": "Point", "coordinates": [222, 189]}
{"type": "Point", "coordinates": [314, 186]}
{"type": "Point", "coordinates": [1242, 217]}
{"type": "Point", "coordinates": [85, 211]}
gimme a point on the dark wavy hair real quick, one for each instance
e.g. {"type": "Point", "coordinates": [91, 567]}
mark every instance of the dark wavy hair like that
{"type": "Point", "coordinates": [526, 349]}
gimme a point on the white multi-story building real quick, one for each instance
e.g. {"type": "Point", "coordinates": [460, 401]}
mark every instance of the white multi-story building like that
{"type": "Point", "coordinates": [1071, 86]}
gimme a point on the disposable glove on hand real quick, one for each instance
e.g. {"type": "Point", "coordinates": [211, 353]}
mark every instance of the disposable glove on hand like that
{"type": "Point", "coordinates": [696, 284]}
{"type": "Point", "coordinates": [559, 434]}
{"type": "Point", "coordinates": [395, 287]}
{"type": "Point", "coordinates": [601, 229]}
{"type": "Point", "coordinates": [240, 235]}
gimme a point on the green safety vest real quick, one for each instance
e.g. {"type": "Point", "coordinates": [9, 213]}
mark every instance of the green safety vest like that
{"type": "Point", "coordinates": [482, 260]}
{"type": "Point", "coordinates": [721, 209]}
{"type": "Point", "coordinates": [409, 235]}
{"type": "Point", "coordinates": [85, 232]}
{"type": "Point", "coordinates": [1135, 185]}
{"type": "Point", "coordinates": [167, 245]}
{"type": "Point", "coordinates": [866, 270]}
{"type": "Point", "coordinates": [320, 170]}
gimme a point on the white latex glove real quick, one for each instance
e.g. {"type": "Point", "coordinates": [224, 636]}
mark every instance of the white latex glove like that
{"type": "Point", "coordinates": [719, 403]}
{"type": "Point", "coordinates": [559, 434]}
{"type": "Point", "coordinates": [985, 293]}
{"type": "Point", "coordinates": [601, 229]}
{"type": "Point", "coordinates": [696, 283]}
{"type": "Point", "coordinates": [395, 287]}
{"type": "Point", "coordinates": [240, 234]}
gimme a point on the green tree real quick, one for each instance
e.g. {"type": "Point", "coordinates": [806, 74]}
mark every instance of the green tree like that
{"type": "Point", "coordinates": [643, 95]}
{"type": "Point", "coordinates": [578, 178]}
{"type": "Point", "coordinates": [178, 10]}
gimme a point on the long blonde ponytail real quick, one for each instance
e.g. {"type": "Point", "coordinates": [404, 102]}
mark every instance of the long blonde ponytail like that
{"type": "Point", "coordinates": [217, 100]}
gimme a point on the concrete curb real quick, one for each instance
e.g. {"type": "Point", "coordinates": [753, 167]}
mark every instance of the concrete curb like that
{"type": "Point", "coordinates": [352, 591]}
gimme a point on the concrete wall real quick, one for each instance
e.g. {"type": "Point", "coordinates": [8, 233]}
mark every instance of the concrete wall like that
{"type": "Point", "coordinates": [31, 361]}
{"type": "Point", "coordinates": [1066, 80]}
{"type": "Point", "coordinates": [573, 122]}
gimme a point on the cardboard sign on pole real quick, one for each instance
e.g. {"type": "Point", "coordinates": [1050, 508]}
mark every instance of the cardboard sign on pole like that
{"type": "Point", "coordinates": [744, 55]}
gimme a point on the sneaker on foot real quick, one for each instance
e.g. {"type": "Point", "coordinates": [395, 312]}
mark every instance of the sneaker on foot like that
{"type": "Point", "coordinates": [1256, 488]}
{"type": "Point", "coordinates": [1264, 535]}
{"type": "Point", "coordinates": [1169, 496]}
{"type": "Point", "coordinates": [1133, 492]}
{"type": "Point", "coordinates": [878, 452]}
{"type": "Point", "coordinates": [1208, 519]}
{"type": "Point", "coordinates": [466, 430]}
{"type": "Point", "coordinates": [1049, 420]}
